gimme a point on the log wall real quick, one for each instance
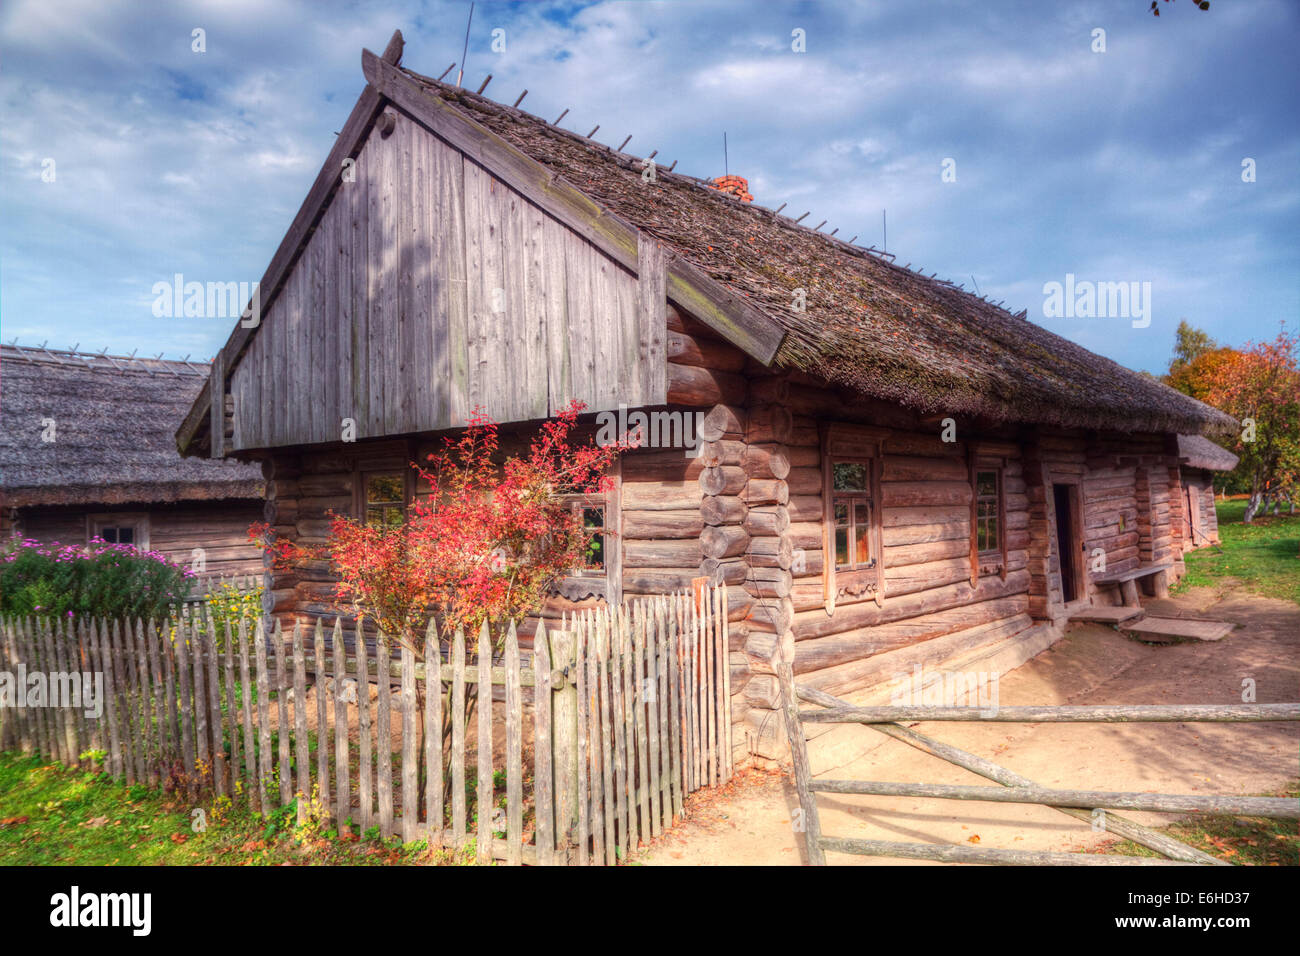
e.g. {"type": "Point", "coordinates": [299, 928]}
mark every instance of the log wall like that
{"type": "Point", "coordinates": [746, 512]}
{"type": "Point", "coordinates": [220, 528]}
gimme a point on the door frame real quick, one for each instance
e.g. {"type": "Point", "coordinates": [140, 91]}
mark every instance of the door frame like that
{"type": "Point", "coordinates": [1074, 497]}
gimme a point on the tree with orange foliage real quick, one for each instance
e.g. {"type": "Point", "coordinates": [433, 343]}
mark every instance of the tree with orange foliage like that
{"type": "Point", "coordinates": [1196, 355]}
{"type": "Point", "coordinates": [1260, 386]}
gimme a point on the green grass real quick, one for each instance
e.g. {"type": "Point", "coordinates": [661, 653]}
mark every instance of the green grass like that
{"type": "Point", "coordinates": [1262, 556]}
{"type": "Point", "coordinates": [1247, 842]}
{"type": "Point", "coordinates": [52, 816]}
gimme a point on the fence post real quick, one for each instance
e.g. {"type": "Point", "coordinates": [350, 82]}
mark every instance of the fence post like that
{"type": "Point", "coordinates": [433, 734]}
{"type": "Point", "coordinates": [255, 785]}
{"type": "Point", "coordinates": [458, 741]}
{"type": "Point", "coordinates": [323, 741]}
{"type": "Point", "coordinates": [301, 746]}
{"type": "Point", "coordinates": [283, 766]}
{"type": "Point", "coordinates": [802, 772]}
{"type": "Point", "coordinates": [483, 757]}
{"type": "Point", "coordinates": [410, 751]}
{"type": "Point", "coordinates": [342, 778]}
{"type": "Point", "coordinates": [263, 720]}
{"type": "Point", "coordinates": [564, 727]}
{"type": "Point", "coordinates": [543, 776]}
{"type": "Point", "coordinates": [514, 752]}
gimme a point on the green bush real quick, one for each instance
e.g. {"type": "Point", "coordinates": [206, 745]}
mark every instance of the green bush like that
{"type": "Point", "coordinates": [98, 580]}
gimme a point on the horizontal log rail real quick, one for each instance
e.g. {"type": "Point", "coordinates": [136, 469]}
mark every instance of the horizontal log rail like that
{"type": "Point", "coordinates": [1103, 713]}
{"type": "Point", "coordinates": [1016, 789]}
{"type": "Point", "coordinates": [986, 856]}
{"type": "Point", "coordinates": [1275, 808]}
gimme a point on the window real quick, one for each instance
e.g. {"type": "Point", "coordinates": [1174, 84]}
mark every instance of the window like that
{"type": "Point", "coordinates": [988, 519]}
{"type": "Point", "coordinates": [591, 510]}
{"type": "Point", "coordinates": [600, 573]}
{"type": "Point", "coordinates": [118, 534]}
{"type": "Point", "coordinates": [120, 528]}
{"type": "Point", "coordinates": [988, 512]}
{"type": "Point", "coordinates": [384, 498]}
{"type": "Point", "coordinates": [850, 496]}
{"type": "Point", "coordinates": [851, 511]}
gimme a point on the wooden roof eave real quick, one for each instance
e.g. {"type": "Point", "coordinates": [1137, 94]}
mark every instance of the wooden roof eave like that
{"type": "Point", "coordinates": [710, 301]}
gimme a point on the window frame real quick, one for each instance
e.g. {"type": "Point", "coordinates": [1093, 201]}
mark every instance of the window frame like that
{"type": "Point", "coordinates": [607, 584]}
{"type": "Point", "coordinates": [364, 468]}
{"type": "Point", "coordinates": [858, 445]}
{"type": "Point", "coordinates": [137, 520]}
{"type": "Point", "coordinates": [852, 497]}
{"type": "Point", "coordinates": [577, 502]}
{"type": "Point", "coordinates": [990, 560]}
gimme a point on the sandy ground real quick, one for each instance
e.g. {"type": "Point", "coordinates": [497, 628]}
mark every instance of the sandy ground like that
{"type": "Point", "coordinates": [750, 823]}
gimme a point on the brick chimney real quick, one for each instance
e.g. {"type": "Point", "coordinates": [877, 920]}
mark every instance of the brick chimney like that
{"type": "Point", "coordinates": [736, 186]}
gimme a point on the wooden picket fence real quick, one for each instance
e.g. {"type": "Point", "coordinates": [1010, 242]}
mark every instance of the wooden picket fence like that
{"type": "Point", "coordinates": [628, 712]}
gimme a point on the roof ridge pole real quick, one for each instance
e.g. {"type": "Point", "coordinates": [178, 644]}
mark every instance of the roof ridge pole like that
{"type": "Point", "coordinates": [393, 52]}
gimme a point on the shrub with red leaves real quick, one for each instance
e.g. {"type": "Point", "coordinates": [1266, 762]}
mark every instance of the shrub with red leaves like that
{"type": "Point", "coordinates": [484, 545]}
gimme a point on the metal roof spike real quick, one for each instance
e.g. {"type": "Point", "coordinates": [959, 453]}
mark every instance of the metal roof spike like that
{"type": "Point", "coordinates": [520, 100]}
{"type": "Point", "coordinates": [593, 131]}
{"type": "Point", "coordinates": [624, 143]}
{"type": "Point", "coordinates": [561, 116]}
{"type": "Point", "coordinates": [446, 71]}
{"type": "Point", "coordinates": [480, 90]}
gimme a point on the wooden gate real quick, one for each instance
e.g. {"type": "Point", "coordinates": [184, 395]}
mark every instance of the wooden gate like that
{"type": "Point", "coordinates": [1014, 788]}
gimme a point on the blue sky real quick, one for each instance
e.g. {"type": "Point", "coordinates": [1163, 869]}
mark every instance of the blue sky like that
{"type": "Point", "coordinates": [1123, 165]}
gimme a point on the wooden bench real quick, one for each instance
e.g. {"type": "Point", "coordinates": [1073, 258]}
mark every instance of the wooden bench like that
{"type": "Point", "coordinates": [1126, 581]}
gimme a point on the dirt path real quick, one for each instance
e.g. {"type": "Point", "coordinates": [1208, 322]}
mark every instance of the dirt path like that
{"type": "Point", "coordinates": [750, 824]}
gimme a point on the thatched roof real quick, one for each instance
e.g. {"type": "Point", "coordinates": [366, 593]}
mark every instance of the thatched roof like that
{"type": "Point", "coordinates": [870, 324]}
{"type": "Point", "coordinates": [1197, 451]}
{"type": "Point", "coordinates": [113, 420]}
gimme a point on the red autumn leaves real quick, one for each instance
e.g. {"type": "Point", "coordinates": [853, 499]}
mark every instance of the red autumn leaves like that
{"type": "Point", "coordinates": [484, 544]}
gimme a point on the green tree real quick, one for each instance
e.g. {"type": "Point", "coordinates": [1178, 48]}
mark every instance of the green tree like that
{"type": "Point", "coordinates": [1190, 343]}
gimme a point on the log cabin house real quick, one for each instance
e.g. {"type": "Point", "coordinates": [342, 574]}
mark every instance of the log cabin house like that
{"type": "Point", "coordinates": [891, 471]}
{"type": "Point", "coordinates": [1199, 458]}
{"type": "Point", "coordinates": [86, 451]}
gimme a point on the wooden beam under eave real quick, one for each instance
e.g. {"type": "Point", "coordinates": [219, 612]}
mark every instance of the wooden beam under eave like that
{"type": "Point", "coordinates": [708, 300]}
{"type": "Point", "coordinates": [217, 407]}
{"type": "Point", "coordinates": [722, 310]}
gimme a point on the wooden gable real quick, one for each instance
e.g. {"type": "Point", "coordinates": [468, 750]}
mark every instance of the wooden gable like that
{"type": "Point", "coordinates": [429, 288]}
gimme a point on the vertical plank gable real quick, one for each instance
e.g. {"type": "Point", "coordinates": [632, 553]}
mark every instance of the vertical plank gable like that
{"type": "Point", "coordinates": [428, 288]}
